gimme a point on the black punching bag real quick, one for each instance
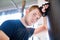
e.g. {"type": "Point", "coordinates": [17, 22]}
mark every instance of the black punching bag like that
{"type": "Point", "coordinates": [54, 19]}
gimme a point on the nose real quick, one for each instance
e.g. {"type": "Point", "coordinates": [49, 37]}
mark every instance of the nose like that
{"type": "Point", "coordinates": [36, 18]}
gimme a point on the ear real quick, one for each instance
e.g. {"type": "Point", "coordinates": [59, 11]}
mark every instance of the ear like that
{"type": "Point", "coordinates": [27, 11]}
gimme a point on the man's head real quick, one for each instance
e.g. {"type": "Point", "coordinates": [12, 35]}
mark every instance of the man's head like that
{"type": "Point", "coordinates": [32, 15]}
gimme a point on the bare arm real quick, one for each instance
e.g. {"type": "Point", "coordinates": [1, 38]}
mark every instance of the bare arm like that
{"type": "Point", "coordinates": [42, 27]}
{"type": "Point", "coordinates": [3, 36]}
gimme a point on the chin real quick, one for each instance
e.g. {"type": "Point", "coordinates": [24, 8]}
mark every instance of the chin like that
{"type": "Point", "coordinates": [29, 24]}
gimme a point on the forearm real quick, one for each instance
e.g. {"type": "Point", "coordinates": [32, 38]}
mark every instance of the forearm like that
{"type": "Point", "coordinates": [42, 27]}
{"type": "Point", "coordinates": [3, 36]}
{"type": "Point", "coordinates": [45, 21]}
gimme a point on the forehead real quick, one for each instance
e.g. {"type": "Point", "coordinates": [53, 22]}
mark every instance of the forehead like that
{"type": "Point", "coordinates": [37, 11]}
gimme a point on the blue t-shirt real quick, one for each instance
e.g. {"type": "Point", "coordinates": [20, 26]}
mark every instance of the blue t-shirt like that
{"type": "Point", "coordinates": [16, 30]}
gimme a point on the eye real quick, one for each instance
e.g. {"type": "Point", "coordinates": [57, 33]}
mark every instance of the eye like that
{"type": "Point", "coordinates": [37, 18]}
{"type": "Point", "coordinates": [34, 14]}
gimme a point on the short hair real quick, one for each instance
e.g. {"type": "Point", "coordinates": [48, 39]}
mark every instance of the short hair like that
{"type": "Point", "coordinates": [40, 9]}
{"type": "Point", "coordinates": [34, 7]}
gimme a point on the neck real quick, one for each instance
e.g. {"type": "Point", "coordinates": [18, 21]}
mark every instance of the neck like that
{"type": "Point", "coordinates": [23, 21]}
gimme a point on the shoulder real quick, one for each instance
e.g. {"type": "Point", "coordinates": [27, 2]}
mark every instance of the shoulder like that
{"type": "Point", "coordinates": [10, 21]}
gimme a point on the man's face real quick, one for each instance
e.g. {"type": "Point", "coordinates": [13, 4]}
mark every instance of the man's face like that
{"type": "Point", "coordinates": [32, 16]}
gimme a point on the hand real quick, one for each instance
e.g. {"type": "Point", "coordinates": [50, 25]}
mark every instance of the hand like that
{"type": "Point", "coordinates": [45, 7]}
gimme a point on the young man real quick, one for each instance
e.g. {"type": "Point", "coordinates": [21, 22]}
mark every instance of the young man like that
{"type": "Point", "coordinates": [17, 30]}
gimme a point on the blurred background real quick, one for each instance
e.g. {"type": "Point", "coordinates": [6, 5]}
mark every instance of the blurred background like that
{"type": "Point", "coordinates": [15, 9]}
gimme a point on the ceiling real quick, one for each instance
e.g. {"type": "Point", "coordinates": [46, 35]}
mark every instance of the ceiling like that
{"type": "Point", "coordinates": [8, 4]}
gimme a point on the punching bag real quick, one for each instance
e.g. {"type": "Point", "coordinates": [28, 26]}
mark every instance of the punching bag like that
{"type": "Point", "coordinates": [54, 19]}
